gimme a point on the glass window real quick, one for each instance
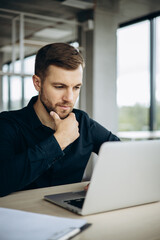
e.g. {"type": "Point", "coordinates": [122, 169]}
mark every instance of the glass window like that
{"type": "Point", "coordinates": [12, 86]}
{"type": "Point", "coordinates": [158, 71]}
{"type": "Point", "coordinates": [17, 66]}
{"type": "Point", "coordinates": [5, 88]}
{"type": "Point", "coordinates": [16, 92]}
{"type": "Point", "coordinates": [29, 90]}
{"type": "Point", "coordinates": [133, 92]}
{"type": "Point", "coordinates": [29, 63]}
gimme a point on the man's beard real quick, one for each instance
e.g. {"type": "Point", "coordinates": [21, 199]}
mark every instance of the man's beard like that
{"type": "Point", "coordinates": [49, 108]}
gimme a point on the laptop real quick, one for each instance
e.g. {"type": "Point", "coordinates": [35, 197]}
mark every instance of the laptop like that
{"type": "Point", "coordinates": [126, 174]}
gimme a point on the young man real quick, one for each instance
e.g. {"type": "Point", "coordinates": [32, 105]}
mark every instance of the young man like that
{"type": "Point", "coordinates": [48, 142]}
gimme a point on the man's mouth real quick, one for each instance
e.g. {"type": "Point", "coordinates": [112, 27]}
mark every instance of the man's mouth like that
{"type": "Point", "coordinates": [64, 107]}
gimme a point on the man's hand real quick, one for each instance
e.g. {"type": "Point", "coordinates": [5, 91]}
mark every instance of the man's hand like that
{"type": "Point", "coordinates": [86, 187]}
{"type": "Point", "coordinates": [66, 130]}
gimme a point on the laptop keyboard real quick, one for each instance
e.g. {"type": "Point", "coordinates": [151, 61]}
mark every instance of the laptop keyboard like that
{"type": "Point", "coordinates": [80, 194]}
{"type": "Point", "coordinates": [76, 202]}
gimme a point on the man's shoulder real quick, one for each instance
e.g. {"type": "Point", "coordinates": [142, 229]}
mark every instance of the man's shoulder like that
{"type": "Point", "coordinates": [20, 114]}
{"type": "Point", "coordinates": [13, 115]}
{"type": "Point", "coordinates": [80, 113]}
{"type": "Point", "coordinates": [83, 118]}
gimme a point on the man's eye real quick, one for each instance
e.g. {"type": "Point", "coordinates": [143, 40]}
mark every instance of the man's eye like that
{"type": "Point", "coordinates": [77, 87]}
{"type": "Point", "coordinates": [58, 87]}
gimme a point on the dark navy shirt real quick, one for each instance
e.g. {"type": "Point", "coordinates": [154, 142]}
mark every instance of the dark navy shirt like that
{"type": "Point", "coordinates": [30, 156]}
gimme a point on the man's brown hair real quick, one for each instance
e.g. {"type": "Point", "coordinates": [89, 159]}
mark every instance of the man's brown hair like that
{"type": "Point", "coordinates": [59, 54]}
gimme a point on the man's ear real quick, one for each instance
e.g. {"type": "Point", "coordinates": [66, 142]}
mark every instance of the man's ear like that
{"type": "Point", "coordinates": [37, 82]}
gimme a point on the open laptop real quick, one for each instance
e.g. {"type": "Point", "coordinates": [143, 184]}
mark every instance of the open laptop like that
{"type": "Point", "coordinates": [126, 174]}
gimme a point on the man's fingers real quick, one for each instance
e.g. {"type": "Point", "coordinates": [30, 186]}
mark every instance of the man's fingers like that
{"type": "Point", "coordinates": [86, 187]}
{"type": "Point", "coordinates": [54, 115]}
{"type": "Point", "coordinates": [73, 116]}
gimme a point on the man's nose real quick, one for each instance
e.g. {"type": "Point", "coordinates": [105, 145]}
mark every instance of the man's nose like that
{"type": "Point", "coordinates": [68, 96]}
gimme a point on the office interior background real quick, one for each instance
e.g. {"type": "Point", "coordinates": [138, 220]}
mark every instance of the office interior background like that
{"type": "Point", "coordinates": [120, 41]}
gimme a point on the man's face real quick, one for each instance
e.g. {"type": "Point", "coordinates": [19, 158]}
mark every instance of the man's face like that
{"type": "Point", "coordinates": [60, 90]}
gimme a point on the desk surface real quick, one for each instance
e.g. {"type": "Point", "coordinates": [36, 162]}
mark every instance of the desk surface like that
{"type": "Point", "coordinates": [135, 223]}
{"type": "Point", "coordinates": [139, 135]}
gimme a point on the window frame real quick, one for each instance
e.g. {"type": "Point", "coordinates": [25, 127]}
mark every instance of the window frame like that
{"type": "Point", "coordinates": [22, 79]}
{"type": "Point", "coordinates": [152, 63]}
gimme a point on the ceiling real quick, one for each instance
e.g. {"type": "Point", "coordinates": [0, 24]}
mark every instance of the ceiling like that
{"type": "Point", "coordinates": [47, 21]}
{"type": "Point", "coordinates": [44, 22]}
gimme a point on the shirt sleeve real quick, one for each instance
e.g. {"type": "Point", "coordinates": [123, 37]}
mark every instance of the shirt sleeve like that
{"type": "Point", "coordinates": [19, 170]}
{"type": "Point", "coordinates": [100, 135]}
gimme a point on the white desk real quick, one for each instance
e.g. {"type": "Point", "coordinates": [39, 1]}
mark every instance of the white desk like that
{"type": "Point", "coordinates": [139, 135]}
{"type": "Point", "coordinates": [136, 223]}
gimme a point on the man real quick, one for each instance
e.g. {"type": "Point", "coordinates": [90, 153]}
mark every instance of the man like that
{"type": "Point", "coordinates": [48, 142]}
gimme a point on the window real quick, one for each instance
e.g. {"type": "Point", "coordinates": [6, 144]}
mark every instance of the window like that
{"type": "Point", "coordinates": [5, 88]}
{"type": "Point", "coordinates": [17, 90]}
{"type": "Point", "coordinates": [29, 90]}
{"type": "Point", "coordinates": [158, 72]}
{"type": "Point", "coordinates": [135, 77]}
